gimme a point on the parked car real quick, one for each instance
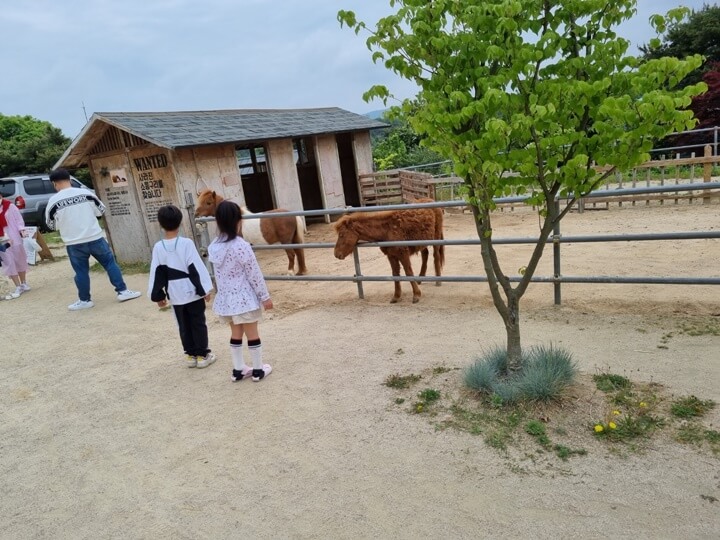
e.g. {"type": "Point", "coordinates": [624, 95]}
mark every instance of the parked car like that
{"type": "Point", "coordinates": [31, 193]}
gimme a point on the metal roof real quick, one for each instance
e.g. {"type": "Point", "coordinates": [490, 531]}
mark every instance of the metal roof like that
{"type": "Point", "coordinates": [199, 128]}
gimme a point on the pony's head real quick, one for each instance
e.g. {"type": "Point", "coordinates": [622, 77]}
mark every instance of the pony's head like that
{"type": "Point", "coordinates": [347, 237]}
{"type": "Point", "coordinates": [207, 203]}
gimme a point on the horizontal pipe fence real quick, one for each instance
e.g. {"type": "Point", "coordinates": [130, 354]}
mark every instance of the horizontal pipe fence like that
{"type": "Point", "coordinates": [556, 239]}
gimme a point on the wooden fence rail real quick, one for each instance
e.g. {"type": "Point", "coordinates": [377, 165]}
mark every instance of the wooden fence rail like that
{"type": "Point", "coordinates": [401, 186]}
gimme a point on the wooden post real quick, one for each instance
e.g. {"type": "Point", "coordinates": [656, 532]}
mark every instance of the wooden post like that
{"type": "Point", "coordinates": [707, 171]}
{"type": "Point", "coordinates": [45, 252]}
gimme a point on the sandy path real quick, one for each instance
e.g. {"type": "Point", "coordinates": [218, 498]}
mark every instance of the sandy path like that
{"type": "Point", "coordinates": [105, 434]}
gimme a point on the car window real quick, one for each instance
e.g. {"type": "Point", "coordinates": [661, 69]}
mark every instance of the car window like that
{"type": "Point", "coordinates": [34, 186]}
{"type": "Point", "coordinates": [48, 186]}
{"type": "Point", "coordinates": [76, 183]}
{"type": "Point", "coordinates": [7, 188]}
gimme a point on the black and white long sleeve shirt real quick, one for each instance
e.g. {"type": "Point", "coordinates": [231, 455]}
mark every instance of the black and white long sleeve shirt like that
{"type": "Point", "coordinates": [177, 272]}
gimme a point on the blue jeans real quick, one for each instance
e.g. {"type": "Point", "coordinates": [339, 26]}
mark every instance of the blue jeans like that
{"type": "Point", "coordinates": [79, 255]}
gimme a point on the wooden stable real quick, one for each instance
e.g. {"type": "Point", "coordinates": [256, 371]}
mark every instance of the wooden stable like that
{"type": "Point", "coordinates": [299, 159]}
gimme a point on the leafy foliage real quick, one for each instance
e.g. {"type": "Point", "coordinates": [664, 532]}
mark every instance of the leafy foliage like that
{"type": "Point", "coordinates": [28, 145]}
{"type": "Point", "coordinates": [707, 110]}
{"type": "Point", "coordinates": [399, 146]}
{"type": "Point", "coordinates": [544, 90]}
{"type": "Point", "coordinates": [699, 34]}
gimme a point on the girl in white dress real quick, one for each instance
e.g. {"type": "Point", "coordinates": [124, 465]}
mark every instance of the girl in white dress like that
{"type": "Point", "coordinates": [241, 291]}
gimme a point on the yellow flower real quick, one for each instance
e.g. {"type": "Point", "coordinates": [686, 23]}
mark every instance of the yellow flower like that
{"type": "Point", "coordinates": [612, 425]}
{"type": "Point", "coordinates": [599, 428]}
{"type": "Point", "coordinates": [643, 404]}
{"type": "Point", "coordinates": [616, 413]}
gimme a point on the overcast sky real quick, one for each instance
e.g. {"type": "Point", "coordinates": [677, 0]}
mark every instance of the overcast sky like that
{"type": "Point", "coordinates": [170, 55]}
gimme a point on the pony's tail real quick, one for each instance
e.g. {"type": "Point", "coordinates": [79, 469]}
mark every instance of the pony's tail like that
{"type": "Point", "coordinates": [299, 237]}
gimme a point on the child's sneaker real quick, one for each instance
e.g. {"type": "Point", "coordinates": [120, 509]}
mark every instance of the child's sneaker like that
{"type": "Point", "coordinates": [259, 374]}
{"type": "Point", "coordinates": [205, 361]}
{"type": "Point", "coordinates": [25, 287]}
{"type": "Point", "coordinates": [190, 361]}
{"type": "Point", "coordinates": [240, 374]}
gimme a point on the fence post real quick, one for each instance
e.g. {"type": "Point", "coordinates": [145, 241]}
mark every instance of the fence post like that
{"type": "Point", "coordinates": [707, 171]}
{"type": "Point", "coordinates": [358, 273]}
{"type": "Point", "coordinates": [556, 255]}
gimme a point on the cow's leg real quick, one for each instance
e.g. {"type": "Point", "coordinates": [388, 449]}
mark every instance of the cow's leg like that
{"type": "Point", "coordinates": [405, 261]}
{"type": "Point", "coordinates": [424, 253]}
{"type": "Point", "coordinates": [438, 257]}
{"type": "Point", "coordinates": [395, 266]}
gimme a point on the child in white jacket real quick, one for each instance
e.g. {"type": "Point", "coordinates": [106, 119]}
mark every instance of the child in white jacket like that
{"type": "Point", "coordinates": [179, 277]}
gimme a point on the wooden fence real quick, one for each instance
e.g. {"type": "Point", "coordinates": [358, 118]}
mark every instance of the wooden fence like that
{"type": "Point", "coordinates": [399, 186]}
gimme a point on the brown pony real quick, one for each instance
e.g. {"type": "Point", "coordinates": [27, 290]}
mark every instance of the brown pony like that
{"type": "Point", "coordinates": [395, 226]}
{"type": "Point", "coordinates": [263, 231]}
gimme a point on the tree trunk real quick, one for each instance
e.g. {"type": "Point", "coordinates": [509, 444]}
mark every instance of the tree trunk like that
{"type": "Point", "coordinates": [512, 328]}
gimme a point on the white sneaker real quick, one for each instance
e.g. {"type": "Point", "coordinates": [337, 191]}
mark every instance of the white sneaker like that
{"type": "Point", "coordinates": [81, 304]}
{"type": "Point", "coordinates": [259, 374]}
{"type": "Point", "coordinates": [24, 287]}
{"type": "Point", "coordinates": [127, 294]}
{"type": "Point", "coordinates": [15, 294]}
{"type": "Point", "coordinates": [203, 362]}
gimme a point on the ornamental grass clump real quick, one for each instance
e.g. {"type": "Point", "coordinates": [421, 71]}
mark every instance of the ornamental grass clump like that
{"type": "Point", "coordinates": [546, 371]}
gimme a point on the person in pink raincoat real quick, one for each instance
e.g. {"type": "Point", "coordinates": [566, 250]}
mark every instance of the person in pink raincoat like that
{"type": "Point", "coordinates": [14, 258]}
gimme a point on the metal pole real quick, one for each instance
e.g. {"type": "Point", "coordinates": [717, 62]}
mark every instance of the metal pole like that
{"type": "Point", "coordinates": [358, 273]}
{"type": "Point", "coordinates": [556, 254]}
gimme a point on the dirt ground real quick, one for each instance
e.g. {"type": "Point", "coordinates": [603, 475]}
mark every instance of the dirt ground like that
{"type": "Point", "coordinates": [106, 434]}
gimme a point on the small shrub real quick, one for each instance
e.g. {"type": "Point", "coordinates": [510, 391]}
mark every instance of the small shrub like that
{"type": "Point", "coordinates": [482, 374]}
{"type": "Point", "coordinates": [545, 373]}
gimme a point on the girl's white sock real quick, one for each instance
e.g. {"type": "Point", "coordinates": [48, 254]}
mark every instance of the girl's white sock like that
{"type": "Point", "coordinates": [236, 353]}
{"type": "Point", "coordinates": [255, 350]}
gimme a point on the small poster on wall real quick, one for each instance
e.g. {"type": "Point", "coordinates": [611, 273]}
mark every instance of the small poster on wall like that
{"type": "Point", "coordinates": [118, 177]}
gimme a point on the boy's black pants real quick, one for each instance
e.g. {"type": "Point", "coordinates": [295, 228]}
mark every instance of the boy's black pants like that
{"type": "Point", "coordinates": [193, 330]}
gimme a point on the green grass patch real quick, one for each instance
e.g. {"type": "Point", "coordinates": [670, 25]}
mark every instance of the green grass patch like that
{"type": "Point", "coordinates": [401, 381]}
{"type": "Point", "coordinates": [52, 238]}
{"type": "Point", "coordinates": [608, 382]}
{"type": "Point", "coordinates": [691, 407]}
{"type": "Point", "coordinates": [710, 327]}
{"type": "Point", "coordinates": [126, 268]}
{"type": "Point", "coordinates": [695, 434]}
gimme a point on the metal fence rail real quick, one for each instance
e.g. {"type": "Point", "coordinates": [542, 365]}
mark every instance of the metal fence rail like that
{"type": "Point", "coordinates": [556, 240]}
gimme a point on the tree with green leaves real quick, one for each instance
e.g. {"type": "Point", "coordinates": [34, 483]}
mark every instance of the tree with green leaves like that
{"type": "Point", "coordinates": [543, 90]}
{"type": "Point", "coordinates": [28, 145]}
{"type": "Point", "coordinates": [399, 146]}
{"type": "Point", "coordinates": [699, 33]}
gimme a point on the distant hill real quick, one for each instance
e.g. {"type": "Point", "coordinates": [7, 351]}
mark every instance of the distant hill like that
{"type": "Point", "coordinates": [376, 115]}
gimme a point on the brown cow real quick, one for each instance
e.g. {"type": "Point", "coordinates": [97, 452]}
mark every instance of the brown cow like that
{"type": "Point", "coordinates": [395, 226]}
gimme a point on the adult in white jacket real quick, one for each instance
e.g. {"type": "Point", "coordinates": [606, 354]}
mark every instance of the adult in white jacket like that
{"type": "Point", "coordinates": [73, 212]}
